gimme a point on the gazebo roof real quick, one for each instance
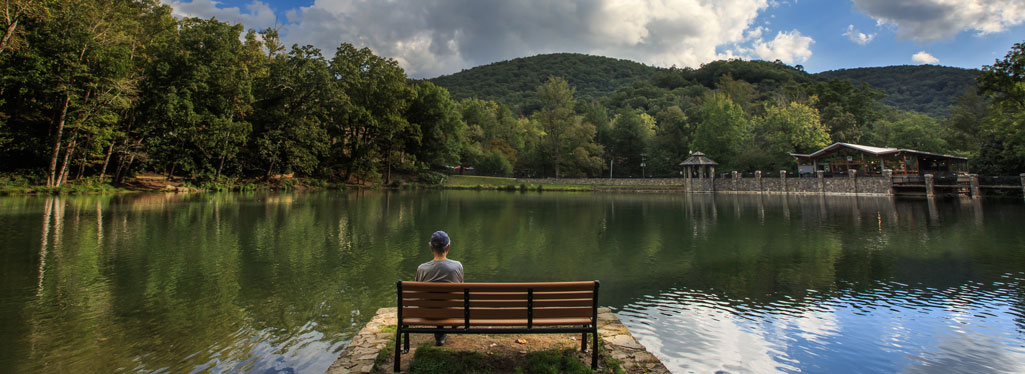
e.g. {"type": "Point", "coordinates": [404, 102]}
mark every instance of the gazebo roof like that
{"type": "Point", "coordinates": [698, 159]}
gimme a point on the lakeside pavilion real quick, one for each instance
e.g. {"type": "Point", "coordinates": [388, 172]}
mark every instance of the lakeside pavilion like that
{"type": "Point", "coordinates": [868, 160]}
{"type": "Point", "coordinates": [698, 165]}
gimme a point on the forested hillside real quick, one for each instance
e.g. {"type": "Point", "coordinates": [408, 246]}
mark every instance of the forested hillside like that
{"type": "Point", "coordinates": [928, 89]}
{"type": "Point", "coordinates": [513, 82]}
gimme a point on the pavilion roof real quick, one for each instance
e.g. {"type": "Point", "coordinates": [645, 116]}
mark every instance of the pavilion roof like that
{"type": "Point", "coordinates": [698, 159]}
{"type": "Point", "coordinates": [878, 151]}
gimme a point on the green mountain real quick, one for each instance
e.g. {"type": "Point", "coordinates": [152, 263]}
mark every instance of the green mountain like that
{"type": "Point", "coordinates": [927, 89]}
{"type": "Point", "coordinates": [514, 82]}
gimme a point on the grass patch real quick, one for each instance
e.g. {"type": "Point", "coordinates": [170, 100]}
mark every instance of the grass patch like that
{"type": "Point", "coordinates": [553, 362]}
{"type": "Point", "coordinates": [388, 328]}
{"type": "Point", "coordinates": [476, 180]}
{"type": "Point", "coordinates": [431, 360]}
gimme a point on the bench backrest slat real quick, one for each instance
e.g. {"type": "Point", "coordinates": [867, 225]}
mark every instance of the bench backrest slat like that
{"type": "Point", "coordinates": [503, 287]}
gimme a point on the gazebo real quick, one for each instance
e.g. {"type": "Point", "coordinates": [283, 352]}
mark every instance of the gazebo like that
{"type": "Point", "coordinates": [698, 164]}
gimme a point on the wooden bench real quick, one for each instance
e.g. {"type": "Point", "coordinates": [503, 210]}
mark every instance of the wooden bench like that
{"type": "Point", "coordinates": [497, 308]}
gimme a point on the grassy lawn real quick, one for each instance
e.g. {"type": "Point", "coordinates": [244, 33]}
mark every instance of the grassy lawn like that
{"type": "Point", "coordinates": [510, 184]}
{"type": "Point", "coordinates": [474, 180]}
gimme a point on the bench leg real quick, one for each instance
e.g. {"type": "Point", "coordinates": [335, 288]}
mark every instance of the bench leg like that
{"type": "Point", "coordinates": [594, 351]}
{"type": "Point", "coordinates": [583, 342]}
{"type": "Point", "coordinates": [398, 352]}
{"type": "Point", "coordinates": [405, 344]}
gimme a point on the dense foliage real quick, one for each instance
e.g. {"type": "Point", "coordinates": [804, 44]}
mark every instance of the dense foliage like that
{"type": "Point", "coordinates": [514, 82]}
{"type": "Point", "coordinates": [928, 89]}
{"type": "Point", "coordinates": [97, 89]}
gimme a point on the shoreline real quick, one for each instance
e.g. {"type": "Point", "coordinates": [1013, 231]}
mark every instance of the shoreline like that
{"type": "Point", "coordinates": [152, 184]}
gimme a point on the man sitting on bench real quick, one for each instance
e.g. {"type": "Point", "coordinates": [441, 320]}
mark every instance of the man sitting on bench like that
{"type": "Point", "coordinates": [441, 269]}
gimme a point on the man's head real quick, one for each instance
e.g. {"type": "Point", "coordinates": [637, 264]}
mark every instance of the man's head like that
{"type": "Point", "coordinates": [440, 242]}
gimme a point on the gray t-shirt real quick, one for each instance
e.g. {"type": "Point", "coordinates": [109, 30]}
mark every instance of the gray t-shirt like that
{"type": "Point", "coordinates": [440, 271]}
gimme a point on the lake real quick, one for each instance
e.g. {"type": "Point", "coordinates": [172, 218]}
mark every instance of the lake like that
{"type": "Point", "coordinates": [269, 282]}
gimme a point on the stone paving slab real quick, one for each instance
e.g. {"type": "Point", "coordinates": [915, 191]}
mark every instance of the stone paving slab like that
{"type": "Point", "coordinates": [359, 355]}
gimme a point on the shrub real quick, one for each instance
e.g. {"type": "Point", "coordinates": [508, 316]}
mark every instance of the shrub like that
{"type": "Point", "coordinates": [494, 163]}
{"type": "Point", "coordinates": [432, 177]}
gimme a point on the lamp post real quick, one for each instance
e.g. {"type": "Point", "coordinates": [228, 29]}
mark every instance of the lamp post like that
{"type": "Point", "coordinates": [644, 164]}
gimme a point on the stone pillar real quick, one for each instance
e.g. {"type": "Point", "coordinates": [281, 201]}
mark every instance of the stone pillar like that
{"type": "Point", "coordinates": [853, 175]}
{"type": "Point", "coordinates": [929, 185]}
{"type": "Point", "coordinates": [1022, 175]}
{"type": "Point", "coordinates": [736, 181]}
{"type": "Point", "coordinates": [758, 178]}
{"type": "Point", "coordinates": [711, 178]}
{"type": "Point", "coordinates": [973, 183]}
{"type": "Point", "coordinates": [888, 179]}
{"type": "Point", "coordinates": [783, 180]}
{"type": "Point", "coordinates": [822, 181]}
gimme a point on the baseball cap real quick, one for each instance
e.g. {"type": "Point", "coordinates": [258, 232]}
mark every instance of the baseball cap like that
{"type": "Point", "coordinates": [439, 239]}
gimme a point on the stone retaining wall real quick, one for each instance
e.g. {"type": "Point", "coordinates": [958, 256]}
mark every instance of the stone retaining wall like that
{"type": "Point", "coordinates": [607, 181]}
{"type": "Point", "coordinates": [775, 185]}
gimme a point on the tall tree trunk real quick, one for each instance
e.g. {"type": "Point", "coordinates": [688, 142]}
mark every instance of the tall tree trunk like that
{"type": "Point", "coordinates": [128, 169]}
{"type": "Point", "coordinates": [106, 161]}
{"type": "Point", "coordinates": [55, 151]}
{"type": "Point", "coordinates": [64, 165]}
{"type": "Point", "coordinates": [270, 170]}
{"type": "Point", "coordinates": [220, 165]}
{"type": "Point", "coordinates": [81, 168]}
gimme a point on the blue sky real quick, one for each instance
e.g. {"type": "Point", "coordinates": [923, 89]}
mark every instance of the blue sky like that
{"type": "Point", "coordinates": [434, 37]}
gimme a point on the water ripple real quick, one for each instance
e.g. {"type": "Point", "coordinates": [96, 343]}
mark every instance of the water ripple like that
{"type": "Point", "coordinates": [892, 326]}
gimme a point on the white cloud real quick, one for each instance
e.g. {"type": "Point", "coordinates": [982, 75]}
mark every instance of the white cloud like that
{"type": "Point", "coordinates": [858, 37]}
{"type": "Point", "coordinates": [932, 20]}
{"type": "Point", "coordinates": [924, 57]}
{"type": "Point", "coordinates": [789, 47]}
{"type": "Point", "coordinates": [259, 15]}
{"type": "Point", "coordinates": [432, 37]}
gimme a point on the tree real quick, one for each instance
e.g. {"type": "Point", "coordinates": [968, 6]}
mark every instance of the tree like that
{"type": "Point", "coordinates": [434, 114]}
{"type": "Point", "coordinates": [494, 163]}
{"type": "Point", "coordinates": [964, 127]}
{"type": "Point", "coordinates": [671, 143]}
{"type": "Point", "coordinates": [847, 112]}
{"type": "Point", "coordinates": [910, 130]}
{"type": "Point", "coordinates": [1004, 81]}
{"type": "Point", "coordinates": [631, 132]}
{"type": "Point", "coordinates": [200, 94]}
{"type": "Point", "coordinates": [585, 156]}
{"type": "Point", "coordinates": [1003, 140]}
{"type": "Point", "coordinates": [722, 130]}
{"type": "Point", "coordinates": [556, 116]}
{"type": "Point", "coordinates": [367, 128]}
{"type": "Point", "coordinates": [82, 53]}
{"type": "Point", "coordinates": [292, 111]}
{"type": "Point", "coordinates": [789, 128]}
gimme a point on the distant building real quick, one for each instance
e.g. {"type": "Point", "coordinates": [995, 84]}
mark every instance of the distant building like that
{"type": "Point", "coordinates": [841, 157]}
